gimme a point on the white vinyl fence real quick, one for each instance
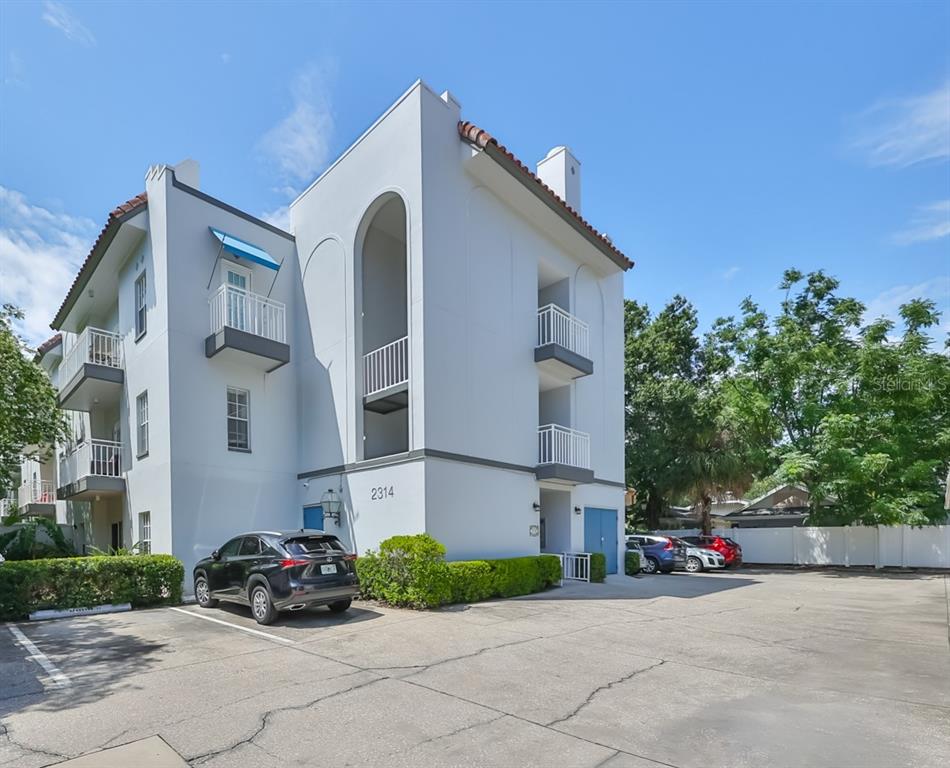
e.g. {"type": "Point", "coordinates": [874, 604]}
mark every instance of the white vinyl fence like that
{"type": "Point", "coordinates": [882, 547]}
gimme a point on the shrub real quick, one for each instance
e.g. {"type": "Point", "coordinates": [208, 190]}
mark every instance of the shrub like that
{"type": "Point", "coordinates": [408, 571]}
{"type": "Point", "coordinates": [598, 566]}
{"type": "Point", "coordinates": [83, 582]}
{"type": "Point", "coordinates": [631, 563]}
{"type": "Point", "coordinates": [411, 571]}
{"type": "Point", "coordinates": [33, 539]}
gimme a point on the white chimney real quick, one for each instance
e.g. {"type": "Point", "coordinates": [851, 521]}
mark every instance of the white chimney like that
{"type": "Point", "coordinates": [188, 172]}
{"type": "Point", "coordinates": [561, 171]}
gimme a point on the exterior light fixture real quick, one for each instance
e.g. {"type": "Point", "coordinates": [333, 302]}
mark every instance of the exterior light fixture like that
{"type": "Point", "coordinates": [332, 505]}
{"type": "Point", "coordinates": [536, 507]}
{"type": "Point", "coordinates": [577, 510]}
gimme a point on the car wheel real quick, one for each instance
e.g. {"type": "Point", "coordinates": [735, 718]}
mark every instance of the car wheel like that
{"type": "Point", "coordinates": [340, 605]}
{"type": "Point", "coordinates": [261, 606]}
{"type": "Point", "coordinates": [203, 594]}
{"type": "Point", "coordinates": [651, 565]}
{"type": "Point", "coordinates": [693, 564]}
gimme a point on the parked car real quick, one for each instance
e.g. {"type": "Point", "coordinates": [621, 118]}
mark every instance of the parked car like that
{"type": "Point", "coordinates": [729, 549]}
{"type": "Point", "coordinates": [272, 571]}
{"type": "Point", "coordinates": [701, 559]}
{"type": "Point", "coordinates": [632, 546]}
{"type": "Point", "coordinates": [660, 553]}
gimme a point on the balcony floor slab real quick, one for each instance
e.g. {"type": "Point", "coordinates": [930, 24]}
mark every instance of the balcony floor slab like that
{"type": "Point", "coordinates": [92, 385]}
{"type": "Point", "coordinates": [257, 350]}
{"type": "Point", "coordinates": [564, 474]}
{"type": "Point", "coordinates": [88, 487]}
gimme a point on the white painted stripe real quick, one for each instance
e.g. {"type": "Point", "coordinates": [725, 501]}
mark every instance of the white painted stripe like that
{"type": "Point", "coordinates": [57, 678]}
{"type": "Point", "coordinates": [257, 632]}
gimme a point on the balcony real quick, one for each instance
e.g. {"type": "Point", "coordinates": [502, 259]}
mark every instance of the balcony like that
{"type": "Point", "coordinates": [93, 469]}
{"type": "Point", "coordinates": [91, 373]}
{"type": "Point", "coordinates": [248, 326]}
{"type": "Point", "coordinates": [563, 455]}
{"type": "Point", "coordinates": [386, 377]}
{"type": "Point", "coordinates": [563, 351]}
{"type": "Point", "coordinates": [8, 504]}
{"type": "Point", "coordinates": [37, 497]}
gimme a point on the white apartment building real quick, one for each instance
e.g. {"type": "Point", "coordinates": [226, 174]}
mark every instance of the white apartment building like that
{"type": "Point", "coordinates": [438, 347]}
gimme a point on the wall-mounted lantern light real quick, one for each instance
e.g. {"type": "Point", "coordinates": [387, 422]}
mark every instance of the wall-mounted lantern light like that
{"type": "Point", "coordinates": [536, 507]}
{"type": "Point", "coordinates": [332, 505]}
{"type": "Point", "coordinates": [577, 510]}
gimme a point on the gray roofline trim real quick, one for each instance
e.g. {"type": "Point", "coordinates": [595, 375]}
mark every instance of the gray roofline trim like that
{"type": "Point", "coordinates": [430, 453]}
{"type": "Point", "coordinates": [229, 208]}
{"type": "Point", "coordinates": [555, 205]}
{"type": "Point", "coordinates": [82, 279]}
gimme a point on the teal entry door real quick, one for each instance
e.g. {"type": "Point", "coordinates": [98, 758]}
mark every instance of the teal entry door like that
{"type": "Point", "coordinates": [600, 534]}
{"type": "Point", "coordinates": [313, 517]}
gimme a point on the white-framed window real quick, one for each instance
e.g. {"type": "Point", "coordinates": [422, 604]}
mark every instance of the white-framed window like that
{"type": "Point", "coordinates": [140, 319]}
{"type": "Point", "coordinates": [239, 419]}
{"type": "Point", "coordinates": [238, 281]}
{"type": "Point", "coordinates": [141, 424]}
{"type": "Point", "coordinates": [145, 533]}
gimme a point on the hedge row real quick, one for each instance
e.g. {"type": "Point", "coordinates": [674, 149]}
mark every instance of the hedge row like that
{"type": "Point", "coordinates": [598, 567]}
{"type": "Point", "coordinates": [631, 563]}
{"type": "Point", "coordinates": [83, 582]}
{"type": "Point", "coordinates": [411, 571]}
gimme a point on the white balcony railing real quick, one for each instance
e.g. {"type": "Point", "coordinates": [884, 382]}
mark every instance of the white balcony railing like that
{"type": "Point", "coordinates": [386, 367]}
{"type": "Point", "coordinates": [37, 492]}
{"type": "Point", "coordinates": [560, 445]}
{"type": "Point", "coordinates": [248, 312]}
{"type": "Point", "coordinates": [555, 326]}
{"type": "Point", "coordinates": [93, 345]}
{"type": "Point", "coordinates": [102, 458]}
{"type": "Point", "coordinates": [8, 504]}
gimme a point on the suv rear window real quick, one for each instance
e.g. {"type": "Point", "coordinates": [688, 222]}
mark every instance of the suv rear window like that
{"type": "Point", "coordinates": [309, 545]}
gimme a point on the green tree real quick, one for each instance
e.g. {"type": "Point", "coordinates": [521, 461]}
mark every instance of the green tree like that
{"type": "Point", "coordinates": [30, 418]}
{"type": "Point", "coordinates": [680, 435]}
{"type": "Point", "coordinates": [861, 419]}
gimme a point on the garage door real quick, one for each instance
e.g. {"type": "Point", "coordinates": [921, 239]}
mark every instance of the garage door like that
{"type": "Point", "coordinates": [600, 534]}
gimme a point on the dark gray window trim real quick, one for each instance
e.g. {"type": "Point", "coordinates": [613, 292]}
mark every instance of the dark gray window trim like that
{"type": "Point", "coordinates": [229, 208]}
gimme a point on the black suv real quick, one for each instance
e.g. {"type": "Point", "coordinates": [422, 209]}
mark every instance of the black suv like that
{"type": "Point", "coordinates": [273, 571]}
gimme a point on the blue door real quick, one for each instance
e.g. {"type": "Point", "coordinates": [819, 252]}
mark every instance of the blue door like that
{"type": "Point", "coordinates": [600, 534]}
{"type": "Point", "coordinates": [313, 517]}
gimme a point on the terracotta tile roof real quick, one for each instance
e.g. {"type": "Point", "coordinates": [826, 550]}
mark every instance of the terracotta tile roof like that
{"type": "Point", "coordinates": [116, 217]}
{"type": "Point", "coordinates": [484, 140]}
{"type": "Point", "coordinates": [47, 345]}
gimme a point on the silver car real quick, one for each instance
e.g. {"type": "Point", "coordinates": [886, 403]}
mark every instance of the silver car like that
{"type": "Point", "coordinates": [699, 559]}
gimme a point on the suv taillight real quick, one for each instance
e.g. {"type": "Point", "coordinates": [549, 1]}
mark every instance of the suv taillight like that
{"type": "Point", "coordinates": [669, 544]}
{"type": "Point", "coordinates": [292, 563]}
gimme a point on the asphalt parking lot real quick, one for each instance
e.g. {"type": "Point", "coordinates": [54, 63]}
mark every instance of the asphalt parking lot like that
{"type": "Point", "coordinates": [751, 668]}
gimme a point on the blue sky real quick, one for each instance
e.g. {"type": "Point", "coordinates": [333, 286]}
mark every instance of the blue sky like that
{"type": "Point", "coordinates": [720, 143]}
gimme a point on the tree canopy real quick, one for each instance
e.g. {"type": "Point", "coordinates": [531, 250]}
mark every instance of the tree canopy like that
{"type": "Point", "coordinates": [30, 418]}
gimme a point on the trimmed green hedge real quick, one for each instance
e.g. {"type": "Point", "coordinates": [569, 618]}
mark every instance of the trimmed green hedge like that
{"type": "Point", "coordinates": [598, 566]}
{"type": "Point", "coordinates": [631, 563]}
{"type": "Point", "coordinates": [411, 571]}
{"type": "Point", "coordinates": [83, 582]}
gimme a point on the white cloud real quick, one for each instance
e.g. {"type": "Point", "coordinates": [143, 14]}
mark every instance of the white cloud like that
{"type": "Point", "coordinates": [730, 273]}
{"type": "Point", "coordinates": [60, 17]}
{"type": "Point", "coordinates": [279, 217]}
{"type": "Point", "coordinates": [887, 304]}
{"type": "Point", "coordinates": [931, 222]}
{"type": "Point", "coordinates": [902, 132]}
{"type": "Point", "coordinates": [299, 145]}
{"type": "Point", "coordinates": [40, 254]}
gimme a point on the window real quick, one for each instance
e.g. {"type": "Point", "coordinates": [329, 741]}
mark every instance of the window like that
{"type": "Point", "coordinates": [145, 533]}
{"type": "Point", "coordinates": [141, 421]}
{"type": "Point", "coordinates": [231, 548]}
{"type": "Point", "coordinates": [140, 306]}
{"type": "Point", "coordinates": [239, 419]}
{"type": "Point", "coordinates": [309, 545]}
{"type": "Point", "coordinates": [116, 536]}
{"type": "Point", "coordinates": [250, 547]}
{"type": "Point", "coordinates": [238, 282]}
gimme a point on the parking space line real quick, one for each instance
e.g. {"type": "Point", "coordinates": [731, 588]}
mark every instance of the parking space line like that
{"type": "Point", "coordinates": [258, 632]}
{"type": "Point", "coordinates": [57, 678]}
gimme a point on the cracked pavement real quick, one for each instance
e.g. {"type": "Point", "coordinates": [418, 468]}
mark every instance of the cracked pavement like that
{"type": "Point", "coordinates": [749, 668]}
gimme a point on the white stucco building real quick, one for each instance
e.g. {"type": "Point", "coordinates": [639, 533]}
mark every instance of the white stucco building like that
{"type": "Point", "coordinates": [438, 347]}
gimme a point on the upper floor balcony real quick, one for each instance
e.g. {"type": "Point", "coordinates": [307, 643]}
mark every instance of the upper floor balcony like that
{"type": "Point", "coordinates": [8, 504]}
{"type": "Point", "coordinates": [94, 468]}
{"type": "Point", "coordinates": [563, 350]}
{"type": "Point", "coordinates": [386, 377]}
{"type": "Point", "coordinates": [37, 497]}
{"type": "Point", "coordinates": [248, 325]}
{"type": "Point", "coordinates": [92, 371]}
{"type": "Point", "coordinates": [563, 455]}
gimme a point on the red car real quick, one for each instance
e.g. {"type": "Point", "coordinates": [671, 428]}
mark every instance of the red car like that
{"type": "Point", "coordinates": [728, 548]}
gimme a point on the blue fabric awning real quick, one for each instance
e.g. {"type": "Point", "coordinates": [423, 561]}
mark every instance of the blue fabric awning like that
{"type": "Point", "coordinates": [240, 248]}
